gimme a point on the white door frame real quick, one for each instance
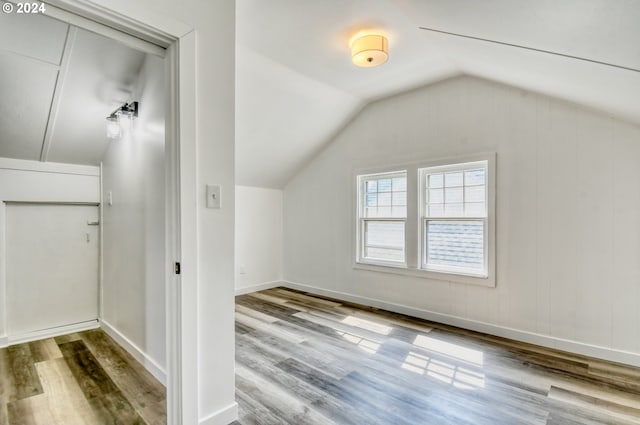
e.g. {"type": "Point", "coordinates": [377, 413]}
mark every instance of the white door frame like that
{"type": "Point", "coordinates": [180, 149]}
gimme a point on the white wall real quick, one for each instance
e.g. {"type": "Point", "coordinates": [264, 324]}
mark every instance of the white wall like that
{"type": "Point", "coordinates": [212, 263]}
{"type": "Point", "coordinates": [258, 248]}
{"type": "Point", "coordinates": [568, 202]}
{"type": "Point", "coordinates": [133, 284]}
{"type": "Point", "coordinates": [32, 181]}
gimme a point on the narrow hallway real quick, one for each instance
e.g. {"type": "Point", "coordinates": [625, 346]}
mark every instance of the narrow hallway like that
{"type": "Point", "coordinates": [83, 378]}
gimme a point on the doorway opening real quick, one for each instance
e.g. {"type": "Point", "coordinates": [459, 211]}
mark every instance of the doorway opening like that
{"type": "Point", "coordinates": [96, 20]}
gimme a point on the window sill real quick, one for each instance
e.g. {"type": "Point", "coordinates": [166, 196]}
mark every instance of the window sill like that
{"type": "Point", "coordinates": [427, 274]}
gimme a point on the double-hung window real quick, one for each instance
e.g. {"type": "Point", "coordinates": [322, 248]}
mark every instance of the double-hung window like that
{"type": "Point", "coordinates": [383, 217]}
{"type": "Point", "coordinates": [454, 218]}
{"type": "Point", "coordinates": [432, 219]}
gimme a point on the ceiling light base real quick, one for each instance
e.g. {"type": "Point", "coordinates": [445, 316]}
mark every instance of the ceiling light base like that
{"type": "Point", "coordinates": [369, 51]}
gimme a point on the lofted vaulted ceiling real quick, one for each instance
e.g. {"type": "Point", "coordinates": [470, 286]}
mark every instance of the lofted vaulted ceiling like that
{"type": "Point", "coordinates": [296, 86]}
{"type": "Point", "coordinates": [57, 85]}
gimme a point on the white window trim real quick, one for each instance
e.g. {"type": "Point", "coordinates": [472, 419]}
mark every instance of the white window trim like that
{"type": "Point", "coordinates": [414, 221]}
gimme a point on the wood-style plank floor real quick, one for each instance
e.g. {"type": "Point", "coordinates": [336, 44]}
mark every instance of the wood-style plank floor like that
{"type": "Point", "coordinates": [301, 359]}
{"type": "Point", "coordinates": [78, 379]}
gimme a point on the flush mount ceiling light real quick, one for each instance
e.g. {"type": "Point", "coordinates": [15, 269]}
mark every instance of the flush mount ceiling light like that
{"type": "Point", "coordinates": [369, 50]}
{"type": "Point", "coordinates": [128, 111]}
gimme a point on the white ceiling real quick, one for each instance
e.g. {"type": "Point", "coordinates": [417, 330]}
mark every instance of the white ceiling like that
{"type": "Point", "coordinates": [296, 86]}
{"type": "Point", "coordinates": [58, 83]}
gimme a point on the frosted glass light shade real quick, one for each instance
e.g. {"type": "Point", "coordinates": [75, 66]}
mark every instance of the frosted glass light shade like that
{"type": "Point", "coordinates": [114, 130]}
{"type": "Point", "coordinates": [370, 50]}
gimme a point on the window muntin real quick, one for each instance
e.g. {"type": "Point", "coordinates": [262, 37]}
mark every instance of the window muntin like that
{"type": "Point", "coordinates": [382, 217]}
{"type": "Point", "coordinates": [455, 218]}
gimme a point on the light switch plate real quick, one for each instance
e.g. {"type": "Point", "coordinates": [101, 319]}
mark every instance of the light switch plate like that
{"type": "Point", "coordinates": [213, 196]}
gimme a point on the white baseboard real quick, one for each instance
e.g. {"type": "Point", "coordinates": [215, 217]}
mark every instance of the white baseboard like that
{"type": "Point", "coordinates": [258, 287]}
{"type": "Point", "coordinates": [223, 416]}
{"type": "Point", "coordinates": [620, 356]}
{"type": "Point", "coordinates": [154, 368]}
{"type": "Point", "coordinates": [4, 341]}
{"type": "Point", "coordinates": [51, 332]}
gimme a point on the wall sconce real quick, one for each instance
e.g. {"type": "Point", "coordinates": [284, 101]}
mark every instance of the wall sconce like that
{"type": "Point", "coordinates": [369, 50]}
{"type": "Point", "coordinates": [128, 111]}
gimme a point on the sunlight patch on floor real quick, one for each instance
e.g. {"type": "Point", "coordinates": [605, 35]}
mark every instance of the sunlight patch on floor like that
{"type": "Point", "coordinates": [362, 343]}
{"type": "Point", "coordinates": [367, 325]}
{"type": "Point", "coordinates": [459, 377]}
{"type": "Point", "coordinates": [455, 351]}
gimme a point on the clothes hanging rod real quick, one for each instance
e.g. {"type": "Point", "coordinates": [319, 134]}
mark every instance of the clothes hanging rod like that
{"type": "Point", "coordinates": [626, 68]}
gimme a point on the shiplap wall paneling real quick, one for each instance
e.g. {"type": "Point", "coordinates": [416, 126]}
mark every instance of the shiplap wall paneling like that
{"type": "Point", "coordinates": [567, 205]}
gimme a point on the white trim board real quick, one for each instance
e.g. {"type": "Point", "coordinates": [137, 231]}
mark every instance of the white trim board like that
{"type": "Point", "coordinates": [51, 332]}
{"type": "Point", "coordinates": [576, 347]}
{"type": "Point", "coordinates": [223, 416]}
{"type": "Point", "coordinates": [130, 18]}
{"type": "Point", "coordinates": [258, 287]}
{"type": "Point", "coordinates": [88, 17]}
{"type": "Point", "coordinates": [57, 92]}
{"type": "Point", "coordinates": [154, 368]}
{"type": "Point", "coordinates": [48, 167]}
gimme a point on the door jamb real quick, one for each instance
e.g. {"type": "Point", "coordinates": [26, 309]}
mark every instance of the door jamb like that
{"type": "Point", "coordinates": [180, 166]}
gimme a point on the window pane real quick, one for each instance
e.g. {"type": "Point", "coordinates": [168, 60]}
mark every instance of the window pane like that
{"type": "Point", "coordinates": [474, 194]}
{"type": "Point", "coordinates": [384, 254]}
{"type": "Point", "coordinates": [453, 195]}
{"type": "Point", "coordinates": [453, 210]}
{"type": "Point", "coordinates": [384, 191]}
{"type": "Point", "coordinates": [399, 198]}
{"type": "Point", "coordinates": [384, 240]}
{"type": "Point", "coordinates": [384, 211]}
{"type": "Point", "coordinates": [398, 212]}
{"type": "Point", "coordinates": [399, 184]}
{"type": "Point", "coordinates": [455, 244]}
{"type": "Point", "coordinates": [384, 185]}
{"type": "Point", "coordinates": [435, 180]}
{"type": "Point", "coordinates": [436, 210]}
{"type": "Point", "coordinates": [436, 196]}
{"type": "Point", "coordinates": [453, 179]}
{"type": "Point", "coordinates": [474, 209]}
{"type": "Point", "coordinates": [384, 199]}
{"type": "Point", "coordinates": [388, 234]}
{"type": "Point", "coordinates": [473, 177]}
{"type": "Point", "coordinates": [378, 212]}
{"type": "Point", "coordinates": [371, 212]}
